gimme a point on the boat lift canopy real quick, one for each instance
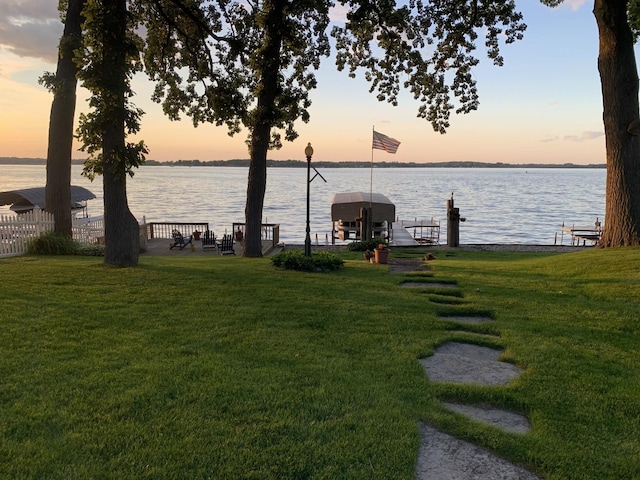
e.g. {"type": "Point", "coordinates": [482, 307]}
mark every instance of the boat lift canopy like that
{"type": "Point", "coordinates": [29, 198]}
{"type": "Point", "coordinates": [346, 207]}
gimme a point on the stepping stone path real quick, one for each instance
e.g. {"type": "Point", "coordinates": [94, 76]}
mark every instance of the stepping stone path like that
{"type": "Point", "coordinates": [466, 319]}
{"type": "Point", "coordinates": [405, 265]}
{"type": "Point", "coordinates": [467, 363]}
{"type": "Point", "coordinates": [507, 421]}
{"type": "Point", "coordinates": [444, 457]}
{"type": "Point", "coordinates": [428, 285]}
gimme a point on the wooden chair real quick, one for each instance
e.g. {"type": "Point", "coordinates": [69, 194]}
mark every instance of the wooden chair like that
{"type": "Point", "coordinates": [209, 240]}
{"type": "Point", "coordinates": [225, 247]}
{"type": "Point", "coordinates": [180, 240]}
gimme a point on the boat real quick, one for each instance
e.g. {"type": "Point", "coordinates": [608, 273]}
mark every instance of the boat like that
{"type": "Point", "coordinates": [351, 210]}
{"type": "Point", "coordinates": [27, 199]}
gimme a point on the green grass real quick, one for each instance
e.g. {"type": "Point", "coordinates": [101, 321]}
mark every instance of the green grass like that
{"type": "Point", "coordinates": [217, 367]}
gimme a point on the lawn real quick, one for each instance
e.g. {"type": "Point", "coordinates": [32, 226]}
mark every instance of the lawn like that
{"type": "Point", "coordinates": [228, 368]}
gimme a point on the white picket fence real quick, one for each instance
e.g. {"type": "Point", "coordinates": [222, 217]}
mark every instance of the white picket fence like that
{"type": "Point", "coordinates": [17, 230]}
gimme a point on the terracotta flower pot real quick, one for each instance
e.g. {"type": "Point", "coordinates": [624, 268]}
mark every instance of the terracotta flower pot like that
{"type": "Point", "coordinates": [381, 255]}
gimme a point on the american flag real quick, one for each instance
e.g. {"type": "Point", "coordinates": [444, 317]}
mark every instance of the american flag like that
{"type": "Point", "coordinates": [382, 142]}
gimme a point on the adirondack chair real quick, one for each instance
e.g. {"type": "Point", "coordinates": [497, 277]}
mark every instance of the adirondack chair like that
{"type": "Point", "coordinates": [180, 240]}
{"type": "Point", "coordinates": [225, 247]}
{"type": "Point", "coordinates": [209, 240]}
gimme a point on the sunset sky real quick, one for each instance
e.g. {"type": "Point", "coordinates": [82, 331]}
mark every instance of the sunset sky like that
{"type": "Point", "coordinates": [544, 105]}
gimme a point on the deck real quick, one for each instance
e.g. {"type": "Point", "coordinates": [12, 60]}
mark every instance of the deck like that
{"type": "Point", "coordinates": [160, 247]}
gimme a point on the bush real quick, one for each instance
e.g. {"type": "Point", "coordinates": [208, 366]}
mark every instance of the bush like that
{"type": "Point", "coordinates": [51, 243]}
{"type": "Point", "coordinates": [91, 250]}
{"type": "Point", "coordinates": [317, 262]}
{"type": "Point", "coordinates": [366, 245]}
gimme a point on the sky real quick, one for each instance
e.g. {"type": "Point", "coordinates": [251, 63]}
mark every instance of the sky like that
{"type": "Point", "coordinates": [543, 106]}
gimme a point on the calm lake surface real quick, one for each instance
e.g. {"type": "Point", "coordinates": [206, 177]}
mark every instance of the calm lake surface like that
{"type": "Point", "coordinates": [510, 205]}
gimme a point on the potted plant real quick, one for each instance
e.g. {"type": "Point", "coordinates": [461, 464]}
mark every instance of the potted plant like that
{"type": "Point", "coordinates": [196, 235]}
{"type": "Point", "coordinates": [381, 253]}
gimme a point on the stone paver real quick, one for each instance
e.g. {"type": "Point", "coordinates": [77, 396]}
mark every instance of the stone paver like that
{"type": "Point", "coordinates": [443, 457]}
{"type": "Point", "coordinates": [465, 319]}
{"type": "Point", "coordinates": [502, 419]}
{"type": "Point", "coordinates": [456, 362]}
{"type": "Point", "coordinates": [428, 285]}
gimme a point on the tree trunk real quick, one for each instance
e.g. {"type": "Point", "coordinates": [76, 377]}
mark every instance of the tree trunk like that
{"type": "Point", "coordinates": [63, 107]}
{"type": "Point", "coordinates": [121, 229]}
{"type": "Point", "coordinates": [121, 233]}
{"type": "Point", "coordinates": [256, 188]}
{"type": "Point", "coordinates": [264, 119]}
{"type": "Point", "coordinates": [619, 80]}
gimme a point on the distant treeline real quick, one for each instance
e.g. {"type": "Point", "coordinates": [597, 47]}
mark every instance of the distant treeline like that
{"type": "Point", "coordinates": [303, 163]}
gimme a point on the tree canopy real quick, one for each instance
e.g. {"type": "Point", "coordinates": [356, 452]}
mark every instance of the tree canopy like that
{"type": "Point", "coordinates": [251, 63]}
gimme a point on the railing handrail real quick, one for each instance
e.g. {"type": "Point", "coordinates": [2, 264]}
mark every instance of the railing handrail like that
{"type": "Point", "coordinates": [164, 229]}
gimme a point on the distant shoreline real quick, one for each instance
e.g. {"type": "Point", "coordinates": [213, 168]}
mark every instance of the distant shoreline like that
{"type": "Point", "coordinates": [303, 164]}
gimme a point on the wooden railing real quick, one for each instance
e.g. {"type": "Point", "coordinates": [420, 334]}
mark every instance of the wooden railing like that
{"type": "Point", "coordinates": [164, 229]}
{"type": "Point", "coordinates": [269, 232]}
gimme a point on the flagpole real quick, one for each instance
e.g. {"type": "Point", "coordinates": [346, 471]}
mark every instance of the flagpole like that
{"type": "Point", "coordinates": [371, 187]}
{"type": "Point", "coordinates": [371, 179]}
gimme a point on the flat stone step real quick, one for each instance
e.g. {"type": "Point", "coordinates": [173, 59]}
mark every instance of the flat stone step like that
{"type": "Point", "coordinates": [502, 419]}
{"type": "Point", "coordinates": [465, 319]}
{"type": "Point", "coordinates": [443, 457]}
{"type": "Point", "coordinates": [456, 362]}
{"type": "Point", "coordinates": [428, 285]}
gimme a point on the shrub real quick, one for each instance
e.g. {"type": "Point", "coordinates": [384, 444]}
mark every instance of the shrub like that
{"type": "Point", "coordinates": [317, 262]}
{"type": "Point", "coordinates": [91, 250]}
{"type": "Point", "coordinates": [51, 243]}
{"type": "Point", "coordinates": [366, 245]}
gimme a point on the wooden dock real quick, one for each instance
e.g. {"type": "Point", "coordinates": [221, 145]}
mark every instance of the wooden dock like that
{"type": "Point", "coordinates": [416, 232]}
{"type": "Point", "coordinates": [402, 238]}
{"type": "Point", "coordinates": [582, 234]}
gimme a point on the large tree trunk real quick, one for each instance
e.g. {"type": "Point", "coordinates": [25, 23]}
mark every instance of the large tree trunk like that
{"type": "Point", "coordinates": [619, 79]}
{"type": "Point", "coordinates": [264, 119]}
{"type": "Point", "coordinates": [63, 107]}
{"type": "Point", "coordinates": [122, 239]}
{"type": "Point", "coordinates": [256, 188]}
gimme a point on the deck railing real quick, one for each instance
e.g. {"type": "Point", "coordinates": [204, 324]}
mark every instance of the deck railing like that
{"type": "Point", "coordinates": [164, 229]}
{"type": "Point", "coordinates": [269, 232]}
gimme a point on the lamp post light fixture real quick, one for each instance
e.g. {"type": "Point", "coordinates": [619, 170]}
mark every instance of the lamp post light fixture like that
{"type": "Point", "coordinates": [308, 152]}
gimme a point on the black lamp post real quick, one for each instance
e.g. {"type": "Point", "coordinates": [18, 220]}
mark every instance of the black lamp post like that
{"type": "Point", "coordinates": [308, 151]}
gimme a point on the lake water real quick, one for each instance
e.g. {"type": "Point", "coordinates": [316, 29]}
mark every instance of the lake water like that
{"type": "Point", "coordinates": [501, 205]}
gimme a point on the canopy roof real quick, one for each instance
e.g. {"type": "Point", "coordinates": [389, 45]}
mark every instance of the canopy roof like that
{"type": "Point", "coordinates": [34, 197]}
{"type": "Point", "coordinates": [346, 206]}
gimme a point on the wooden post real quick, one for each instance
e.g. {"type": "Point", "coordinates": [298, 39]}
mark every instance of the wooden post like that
{"type": "Point", "coordinates": [453, 224]}
{"type": "Point", "coordinates": [365, 224]}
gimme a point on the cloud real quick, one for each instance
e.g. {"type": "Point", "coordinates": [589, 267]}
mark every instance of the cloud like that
{"type": "Point", "coordinates": [31, 28]}
{"type": "Point", "coordinates": [338, 13]}
{"type": "Point", "coordinates": [575, 4]}
{"type": "Point", "coordinates": [584, 136]}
